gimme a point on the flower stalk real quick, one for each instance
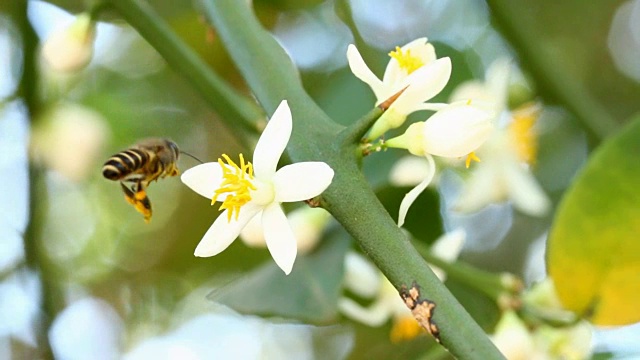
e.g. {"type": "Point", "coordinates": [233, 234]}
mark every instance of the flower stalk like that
{"type": "Point", "coordinates": [503, 288]}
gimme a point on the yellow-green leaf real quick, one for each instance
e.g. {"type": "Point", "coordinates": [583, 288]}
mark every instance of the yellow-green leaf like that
{"type": "Point", "coordinates": [594, 246]}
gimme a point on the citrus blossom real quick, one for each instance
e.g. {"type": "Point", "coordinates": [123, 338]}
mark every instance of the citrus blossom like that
{"type": "Point", "coordinates": [248, 190]}
{"type": "Point", "coordinates": [508, 154]}
{"type": "Point", "coordinates": [413, 68]}
{"type": "Point", "coordinates": [455, 131]}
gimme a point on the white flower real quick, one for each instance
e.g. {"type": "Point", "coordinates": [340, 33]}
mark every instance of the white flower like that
{"type": "Point", "coordinates": [244, 195]}
{"type": "Point", "coordinates": [504, 173]}
{"type": "Point", "coordinates": [414, 67]}
{"type": "Point", "coordinates": [455, 131]}
{"type": "Point", "coordinates": [71, 49]}
{"type": "Point", "coordinates": [365, 280]}
{"type": "Point", "coordinates": [512, 337]}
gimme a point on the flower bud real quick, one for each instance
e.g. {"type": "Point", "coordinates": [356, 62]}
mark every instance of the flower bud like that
{"type": "Point", "coordinates": [71, 49]}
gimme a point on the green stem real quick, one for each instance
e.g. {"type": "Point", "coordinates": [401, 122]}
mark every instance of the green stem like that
{"type": "Point", "coordinates": [272, 77]}
{"type": "Point", "coordinates": [38, 260]}
{"type": "Point", "coordinates": [96, 9]}
{"type": "Point", "coordinates": [36, 257]}
{"type": "Point", "coordinates": [551, 78]}
{"type": "Point", "coordinates": [29, 81]}
{"type": "Point", "coordinates": [235, 109]}
{"type": "Point", "coordinates": [486, 282]}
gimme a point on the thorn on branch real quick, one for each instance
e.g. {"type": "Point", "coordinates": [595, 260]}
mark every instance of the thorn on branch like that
{"type": "Point", "coordinates": [387, 103]}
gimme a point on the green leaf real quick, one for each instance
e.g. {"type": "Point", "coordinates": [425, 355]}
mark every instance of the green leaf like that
{"type": "Point", "coordinates": [309, 293]}
{"type": "Point", "coordinates": [594, 246]}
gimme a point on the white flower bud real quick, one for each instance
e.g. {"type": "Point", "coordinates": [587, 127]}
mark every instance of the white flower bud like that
{"type": "Point", "coordinates": [456, 130]}
{"type": "Point", "coordinates": [71, 49]}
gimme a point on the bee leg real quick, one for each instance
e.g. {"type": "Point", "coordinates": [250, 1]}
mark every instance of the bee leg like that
{"type": "Point", "coordinates": [137, 197]}
{"type": "Point", "coordinates": [129, 195]}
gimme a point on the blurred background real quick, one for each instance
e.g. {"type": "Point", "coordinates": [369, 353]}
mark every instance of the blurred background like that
{"type": "Point", "coordinates": [83, 276]}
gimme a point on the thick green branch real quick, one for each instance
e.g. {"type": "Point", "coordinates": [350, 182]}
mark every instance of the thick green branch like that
{"type": "Point", "coordinates": [272, 77]}
{"type": "Point", "coordinates": [235, 109]}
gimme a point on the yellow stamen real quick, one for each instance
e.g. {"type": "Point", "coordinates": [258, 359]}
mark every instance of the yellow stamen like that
{"type": "Point", "coordinates": [405, 328]}
{"type": "Point", "coordinates": [471, 157]}
{"type": "Point", "coordinates": [406, 61]}
{"type": "Point", "coordinates": [522, 133]}
{"type": "Point", "coordinates": [238, 182]}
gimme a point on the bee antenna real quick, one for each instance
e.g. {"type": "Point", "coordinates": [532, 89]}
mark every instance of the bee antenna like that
{"type": "Point", "coordinates": [191, 156]}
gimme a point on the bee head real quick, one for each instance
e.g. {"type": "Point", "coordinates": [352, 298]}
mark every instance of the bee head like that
{"type": "Point", "coordinates": [174, 148]}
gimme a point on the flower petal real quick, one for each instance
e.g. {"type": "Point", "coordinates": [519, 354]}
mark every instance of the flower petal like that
{"type": "Point", "coordinates": [424, 84]}
{"type": "Point", "coordinates": [308, 224]}
{"type": "Point", "coordinates": [485, 186]}
{"type": "Point", "coordinates": [360, 69]}
{"type": "Point", "coordinates": [302, 181]}
{"type": "Point", "coordinates": [252, 234]}
{"type": "Point", "coordinates": [375, 314]}
{"type": "Point", "coordinates": [497, 79]}
{"type": "Point", "coordinates": [456, 130]}
{"type": "Point", "coordinates": [412, 195]}
{"type": "Point", "coordinates": [223, 232]}
{"type": "Point", "coordinates": [280, 240]}
{"type": "Point", "coordinates": [360, 276]}
{"type": "Point", "coordinates": [409, 171]}
{"type": "Point", "coordinates": [447, 247]}
{"type": "Point", "coordinates": [203, 179]}
{"type": "Point", "coordinates": [525, 192]}
{"type": "Point", "coordinates": [272, 142]}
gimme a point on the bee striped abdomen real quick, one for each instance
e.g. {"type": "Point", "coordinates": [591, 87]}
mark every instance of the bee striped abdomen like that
{"type": "Point", "coordinates": [122, 164]}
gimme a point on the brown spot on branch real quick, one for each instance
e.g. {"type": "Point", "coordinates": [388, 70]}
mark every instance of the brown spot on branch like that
{"type": "Point", "coordinates": [422, 309]}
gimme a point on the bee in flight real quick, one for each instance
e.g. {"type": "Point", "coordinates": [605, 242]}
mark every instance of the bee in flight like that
{"type": "Point", "coordinates": [136, 167]}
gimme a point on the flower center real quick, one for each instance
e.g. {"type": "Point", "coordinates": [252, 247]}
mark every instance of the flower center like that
{"type": "Point", "coordinates": [237, 182]}
{"type": "Point", "coordinates": [522, 134]}
{"type": "Point", "coordinates": [406, 61]}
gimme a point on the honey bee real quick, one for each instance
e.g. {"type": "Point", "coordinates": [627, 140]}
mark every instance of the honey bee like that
{"type": "Point", "coordinates": [136, 167]}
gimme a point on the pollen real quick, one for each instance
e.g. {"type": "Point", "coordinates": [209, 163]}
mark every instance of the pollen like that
{"type": "Point", "coordinates": [406, 61]}
{"type": "Point", "coordinates": [522, 133]}
{"type": "Point", "coordinates": [471, 157]}
{"type": "Point", "coordinates": [405, 328]}
{"type": "Point", "coordinates": [237, 184]}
